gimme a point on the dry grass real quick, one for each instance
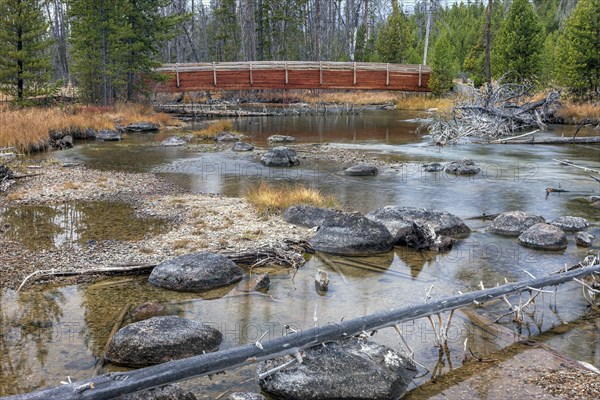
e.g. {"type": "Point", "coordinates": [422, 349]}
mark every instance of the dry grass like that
{"type": "Point", "coordinates": [71, 186]}
{"type": "Point", "coordinates": [27, 129]}
{"type": "Point", "coordinates": [268, 199]}
{"type": "Point", "coordinates": [577, 112]}
{"type": "Point", "coordinates": [357, 97]}
{"type": "Point", "coordinates": [422, 103]}
{"type": "Point", "coordinates": [213, 128]}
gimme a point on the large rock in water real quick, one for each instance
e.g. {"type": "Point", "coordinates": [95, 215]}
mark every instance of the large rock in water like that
{"type": "Point", "coordinates": [463, 167]}
{"type": "Point", "coordinates": [351, 369]}
{"type": "Point", "coordinates": [245, 396]}
{"type": "Point", "coordinates": [544, 237]}
{"type": "Point", "coordinates": [397, 218]}
{"type": "Point", "coordinates": [173, 141]}
{"type": "Point", "coordinates": [166, 392]}
{"type": "Point", "coordinates": [308, 216]}
{"type": "Point", "coordinates": [571, 224]}
{"type": "Point", "coordinates": [584, 239]}
{"type": "Point", "coordinates": [241, 146]}
{"type": "Point", "coordinates": [142, 127]}
{"type": "Point", "coordinates": [281, 139]}
{"type": "Point", "coordinates": [108, 136]}
{"type": "Point", "coordinates": [352, 235]}
{"type": "Point", "coordinates": [361, 170]}
{"type": "Point", "coordinates": [226, 137]}
{"type": "Point", "coordinates": [280, 157]}
{"type": "Point", "coordinates": [161, 339]}
{"type": "Point", "coordinates": [196, 272]}
{"type": "Point", "coordinates": [513, 223]}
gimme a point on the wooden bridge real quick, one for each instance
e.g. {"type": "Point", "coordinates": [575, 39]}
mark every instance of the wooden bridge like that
{"type": "Point", "coordinates": [294, 75]}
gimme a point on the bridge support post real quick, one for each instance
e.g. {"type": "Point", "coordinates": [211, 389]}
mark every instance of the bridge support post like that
{"type": "Point", "coordinates": [250, 71]}
{"type": "Point", "coordinates": [387, 76]}
{"type": "Point", "coordinates": [215, 74]}
{"type": "Point", "coordinates": [177, 74]}
{"type": "Point", "coordinates": [420, 75]}
{"type": "Point", "coordinates": [355, 73]}
{"type": "Point", "coordinates": [320, 72]}
{"type": "Point", "coordinates": [286, 72]}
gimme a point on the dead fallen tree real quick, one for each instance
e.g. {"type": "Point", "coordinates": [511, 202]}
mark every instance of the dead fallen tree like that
{"type": "Point", "coordinates": [112, 385]}
{"type": "Point", "coordinates": [492, 112]}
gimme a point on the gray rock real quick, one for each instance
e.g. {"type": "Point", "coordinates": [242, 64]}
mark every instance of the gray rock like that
{"type": "Point", "coordinates": [433, 167]}
{"type": "Point", "coordinates": [544, 237]}
{"type": "Point", "coordinates": [399, 221]}
{"type": "Point", "coordinates": [241, 146]}
{"type": "Point", "coordinates": [226, 137]}
{"type": "Point", "coordinates": [352, 235]}
{"type": "Point", "coordinates": [584, 239]}
{"type": "Point", "coordinates": [166, 392]}
{"type": "Point", "coordinates": [147, 310]}
{"type": "Point", "coordinates": [571, 224]}
{"type": "Point", "coordinates": [280, 157]}
{"type": "Point", "coordinates": [245, 396]}
{"type": "Point", "coordinates": [260, 282]}
{"type": "Point", "coordinates": [161, 339]}
{"type": "Point", "coordinates": [281, 139]}
{"type": "Point", "coordinates": [108, 136]}
{"type": "Point", "coordinates": [351, 369]}
{"type": "Point", "coordinates": [513, 223]}
{"type": "Point", "coordinates": [423, 237]}
{"type": "Point", "coordinates": [142, 127]}
{"type": "Point", "coordinates": [196, 272]}
{"type": "Point", "coordinates": [462, 167]}
{"type": "Point", "coordinates": [308, 216]}
{"type": "Point", "coordinates": [173, 141]}
{"type": "Point", "coordinates": [362, 170]}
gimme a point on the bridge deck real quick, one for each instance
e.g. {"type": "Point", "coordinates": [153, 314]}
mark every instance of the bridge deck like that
{"type": "Point", "coordinates": [294, 75]}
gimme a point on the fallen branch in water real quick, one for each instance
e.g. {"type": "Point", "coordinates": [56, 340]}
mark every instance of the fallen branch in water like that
{"type": "Point", "coordinates": [112, 385]}
{"type": "Point", "coordinates": [116, 327]}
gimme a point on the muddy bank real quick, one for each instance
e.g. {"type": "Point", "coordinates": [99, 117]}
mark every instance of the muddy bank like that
{"type": "Point", "coordinates": [191, 222]}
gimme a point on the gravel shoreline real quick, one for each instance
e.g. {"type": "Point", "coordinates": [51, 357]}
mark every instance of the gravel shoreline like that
{"type": "Point", "coordinates": [194, 222]}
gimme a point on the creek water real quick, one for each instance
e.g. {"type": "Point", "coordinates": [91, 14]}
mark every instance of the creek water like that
{"type": "Point", "coordinates": [51, 333]}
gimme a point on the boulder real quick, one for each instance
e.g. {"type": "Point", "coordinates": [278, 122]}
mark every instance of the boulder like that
{"type": "Point", "coordinates": [462, 167]}
{"type": "Point", "coordinates": [161, 339]}
{"type": "Point", "coordinates": [433, 167]}
{"type": "Point", "coordinates": [362, 170]}
{"type": "Point", "coordinates": [196, 272]}
{"type": "Point", "coordinates": [108, 136]}
{"type": "Point", "coordinates": [544, 237]}
{"type": "Point", "coordinates": [513, 223]}
{"type": "Point", "coordinates": [322, 281]}
{"type": "Point", "coordinates": [308, 216]}
{"type": "Point", "coordinates": [352, 235]}
{"type": "Point", "coordinates": [166, 392]}
{"type": "Point", "coordinates": [147, 310]}
{"type": "Point", "coordinates": [241, 146]}
{"type": "Point", "coordinates": [571, 224]}
{"type": "Point", "coordinates": [281, 139]}
{"type": "Point", "coordinates": [280, 157]}
{"type": "Point", "coordinates": [397, 220]}
{"type": "Point", "coordinates": [245, 396]}
{"type": "Point", "coordinates": [584, 239]}
{"type": "Point", "coordinates": [350, 369]}
{"type": "Point", "coordinates": [173, 141]}
{"type": "Point", "coordinates": [142, 127]}
{"type": "Point", "coordinates": [226, 137]}
{"type": "Point", "coordinates": [423, 237]}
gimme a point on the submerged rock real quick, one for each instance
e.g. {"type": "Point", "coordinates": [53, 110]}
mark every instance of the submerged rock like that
{"type": "Point", "coordinates": [108, 136]}
{"type": "Point", "coordinates": [423, 237]}
{"type": "Point", "coordinates": [166, 392]}
{"type": "Point", "coordinates": [350, 369]}
{"type": "Point", "coordinates": [281, 139]}
{"type": "Point", "coordinates": [584, 239]}
{"type": "Point", "coordinates": [570, 224]}
{"type": "Point", "coordinates": [513, 223]}
{"type": "Point", "coordinates": [241, 146]}
{"type": "Point", "coordinates": [544, 237]}
{"type": "Point", "coordinates": [226, 137]}
{"type": "Point", "coordinates": [142, 127]}
{"type": "Point", "coordinates": [433, 167]}
{"type": "Point", "coordinates": [308, 216]}
{"type": "Point", "coordinates": [147, 310]}
{"type": "Point", "coordinates": [245, 396]}
{"type": "Point", "coordinates": [196, 272]}
{"type": "Point", "coordinates": [362, 170]}
{"type": "Point", "coordinates": [462, 167]}
{"type": "Point", "coordinates": [321, 281]}
{"type": "Point", "coordinates": [280, 157]}
{"type": "Point", "coordinates": [161, 339]}
{"type": "Point", "coordinates": [173, 141]}
{"type": "Point", "coordinates": [259, 282]}
{"type": "Point", "coordinates": [352, 235]}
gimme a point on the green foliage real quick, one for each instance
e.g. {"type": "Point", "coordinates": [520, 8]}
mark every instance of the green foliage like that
{"type": "Point", "coordinates": [25, 66]}
{"type": "Point", "coordinates": [365, 49]}
{"type": "Point", "coordinates": [225, 31]}
{"type": "Point", "coordinates": [392, 43]}
{"type": "Point", "coordinates": [443, 64]}
{"type": "Point", "coordinates": [578, 51]}
{"type": "Point", "coordinates": [518, 45]}
{"type": "Point", "coordinates": [280, 29]}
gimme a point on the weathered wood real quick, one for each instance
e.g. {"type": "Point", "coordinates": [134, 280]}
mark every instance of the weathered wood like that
{"type": "Point", "coordinates": [561, 140]}
{"type": "Point", "coordinates": [115, 384]}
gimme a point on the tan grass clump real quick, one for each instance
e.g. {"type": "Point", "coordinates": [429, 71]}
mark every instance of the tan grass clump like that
{"type": "Point", "coordinates": [268, 199]}
{"type": "Point", "coordinates": [422, 103]}
{"type": "Point", "coordinates": [577, 112]}
{"type": "Point", "coordinates": [215, 127]}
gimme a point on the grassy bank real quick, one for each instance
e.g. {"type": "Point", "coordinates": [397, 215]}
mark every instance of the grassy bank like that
{"type": "Point", "coordinates": [576, 113]}
{"type": "Point", "coordinates": [268, 199]}
{"type": "Point", "coordinates": [27, 129]}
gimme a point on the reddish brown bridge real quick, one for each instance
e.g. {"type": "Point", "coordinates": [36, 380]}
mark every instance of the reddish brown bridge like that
{"type": "Point", "coordinates": [294, 75]}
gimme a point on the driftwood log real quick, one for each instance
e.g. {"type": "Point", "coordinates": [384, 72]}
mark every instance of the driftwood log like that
{"type": "Point", "coordinates": [112, 385]}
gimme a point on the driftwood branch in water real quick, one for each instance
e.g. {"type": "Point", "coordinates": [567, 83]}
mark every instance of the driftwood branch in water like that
{"type": "Point", "coordinates": [561, 140]}
{"type": "Point", "coordinates": [112, 385]}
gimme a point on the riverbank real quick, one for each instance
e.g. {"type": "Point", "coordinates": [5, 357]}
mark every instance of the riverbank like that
{"type": "Point", "coordinates": [192, 222]}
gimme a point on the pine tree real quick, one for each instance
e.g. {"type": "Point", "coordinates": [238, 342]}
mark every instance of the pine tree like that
{"type": "Point", "coordinates": [443, 64]}
{"type": "Point", "coordinates": [25, 64]}
{"type": "Point", "coordinates": [578, 58]}
{"type": "Point", "coordinates": [392, 42]}
{"type": "Point", "coordinates": [226, 31]}
{"type": "Point", "coordinates": [518, 45]}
